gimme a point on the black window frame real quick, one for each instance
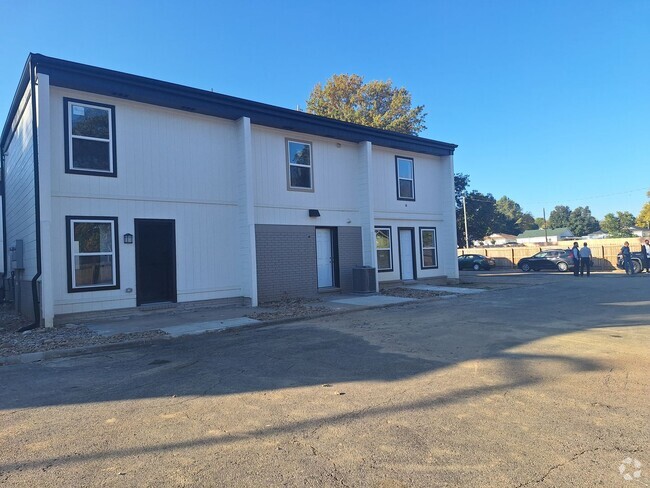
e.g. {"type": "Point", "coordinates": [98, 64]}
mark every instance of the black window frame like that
{"type": "Point", "coordinates": [67, 128]}
{"type": "Point", "coordinates": [390, 241]}
{"type": "Point", "coordinates": [287, 144]}
{"type": "Point", "coordinates": [435, 248]}
{"type": "Point", "coordinates": [69, 219]}
{"type": "Point", "coordinates": [397, 177]}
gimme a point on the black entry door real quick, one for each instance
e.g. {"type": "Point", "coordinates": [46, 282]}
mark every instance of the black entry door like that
{"type": "Point", "coordinates": [155, 261]}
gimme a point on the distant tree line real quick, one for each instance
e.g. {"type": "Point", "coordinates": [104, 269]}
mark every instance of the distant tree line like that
{"type": "Point", "coordinates": [486, 215]}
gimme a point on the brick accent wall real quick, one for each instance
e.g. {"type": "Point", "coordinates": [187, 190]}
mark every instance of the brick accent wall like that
{"type": "Point", "coordinates": [350, 254]}
{"type": "Point", "coordinates": [286, 261]}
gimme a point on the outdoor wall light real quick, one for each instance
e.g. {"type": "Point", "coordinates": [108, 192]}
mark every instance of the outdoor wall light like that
{"type": "Point", "coordinates": [314, 212]}
{"type": "Point", "coordinates": [128, 238]}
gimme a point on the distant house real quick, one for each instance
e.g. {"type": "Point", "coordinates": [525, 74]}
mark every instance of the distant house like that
{"type": "Point", "coordinates": [496, 239]}
{"type": "Point", "coordinates": [541, 235]}
{"type": "Point", "coordinates": [640, 231]}
{"type": "Point", "coordinates": [121, 192]}
{"type": "Point", "coordinates": [599, 234]}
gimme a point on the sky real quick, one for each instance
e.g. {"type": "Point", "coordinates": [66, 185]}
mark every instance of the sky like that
{"type": "Point", "coordinates": [548, 101]}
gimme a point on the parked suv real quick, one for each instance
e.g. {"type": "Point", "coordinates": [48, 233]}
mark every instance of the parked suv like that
{"type": "Point", "coordinates": [637, 261]}
{"type": "Point", "coordinates": [559, 259]}
{"type": "Point", "coordinates": [475, 262]}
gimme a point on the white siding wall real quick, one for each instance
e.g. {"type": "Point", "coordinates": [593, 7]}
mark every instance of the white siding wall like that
{"type": "Point", "coordinates": [428, 209]}
{"type": "Point", "coordinates": [335, 171]}
{"type": "Point", "coordinates": [170, 165]}
{"type": "Point", "coordinates": [187, 167]}
{"type": "Point", "coordinates": [19, 186]}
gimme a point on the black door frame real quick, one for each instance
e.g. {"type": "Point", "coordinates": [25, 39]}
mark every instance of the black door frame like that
{"type": "Point", "coordinates": [413, 255]}
{"type": "Point", "coordinates": [174, 290]}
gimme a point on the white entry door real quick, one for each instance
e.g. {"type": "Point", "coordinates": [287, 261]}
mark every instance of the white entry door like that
{"type": "Point", "coordinates": [324, 258]}
{"type": "Point", "coordinates": [406, 253]}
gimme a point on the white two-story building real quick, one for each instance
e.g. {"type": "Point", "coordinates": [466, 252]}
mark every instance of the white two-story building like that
{"type": "Point", "coordinates": [121, 191]}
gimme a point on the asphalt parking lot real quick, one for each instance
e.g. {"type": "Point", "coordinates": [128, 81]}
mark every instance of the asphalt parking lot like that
{"type": "Point", "coordinates": [539, 381]}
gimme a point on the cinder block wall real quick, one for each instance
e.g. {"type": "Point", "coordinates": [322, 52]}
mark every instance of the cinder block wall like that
{"type": "Point", "coordinates": [286, 261]}
{"type": "Point", "coordinates": [350, 254]}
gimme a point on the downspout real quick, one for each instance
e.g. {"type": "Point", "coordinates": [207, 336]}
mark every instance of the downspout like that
{"type": "Point", "coordinates": [37, 206]}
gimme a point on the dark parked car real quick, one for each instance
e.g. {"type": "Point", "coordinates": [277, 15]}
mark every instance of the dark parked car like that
{"type": "Point", "coordinates": [637, 261]}
{"type": "Point", "coordinates": [475, 262]}
{"type": "Point", "coordinates": [559, 259]}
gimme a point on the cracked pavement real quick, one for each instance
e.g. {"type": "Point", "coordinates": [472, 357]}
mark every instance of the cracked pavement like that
{"type": "Point", "coordinates": [538, 382]}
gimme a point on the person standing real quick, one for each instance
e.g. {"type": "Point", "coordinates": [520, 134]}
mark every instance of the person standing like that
{"type": "Point", "coordinates": [627, 258]}
{"type": "Point", "coordinates": [575, 254]}
{"type": "Point", "coordinates": [585, 260]}
{"type": "Point", "coordinates": [645, 252]}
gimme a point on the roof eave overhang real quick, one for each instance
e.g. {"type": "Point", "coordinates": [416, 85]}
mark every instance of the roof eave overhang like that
{"type": "Point", "coordinates": [76, 76]}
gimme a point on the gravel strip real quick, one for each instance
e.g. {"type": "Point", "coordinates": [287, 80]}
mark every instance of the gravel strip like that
{"type": "Point", "coordinates": [412, 293]}
{"type": "Point", "coordinates": [70, 336]}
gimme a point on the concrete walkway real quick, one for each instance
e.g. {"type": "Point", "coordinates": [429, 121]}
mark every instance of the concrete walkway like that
{"type": "Point", "coordinates": [177, 324]}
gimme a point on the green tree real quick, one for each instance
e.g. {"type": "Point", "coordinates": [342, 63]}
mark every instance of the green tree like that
{"type": "Point", "coordinates": [481, 214]}
{"type": "Point", "coordinates": [540, 222]}
{"type": "Point", "coordinates": [527, 222]}
{"type": "Point", "coordinates": [643, 219]}
{"type": "Point", "coordinates": [375, 104]}
{"type": "Point", "coordinates": [581, 222]}
{"type": "Point", "coordinates": [559, 217]}
{"type": "Point", "coordinates": [508, 213]}
{"type": "Point", "coordinates": [461, 182]}
{"type": "Point", "coordinates": [618, 225]}
{"type": "Point", "coordinates": [510, 217]}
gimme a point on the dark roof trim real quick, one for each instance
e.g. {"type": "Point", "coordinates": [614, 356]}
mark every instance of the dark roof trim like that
{"type": "Point", "coordinates": [8, 129]}
{"type": "Point", "coordinates": [111, 83]}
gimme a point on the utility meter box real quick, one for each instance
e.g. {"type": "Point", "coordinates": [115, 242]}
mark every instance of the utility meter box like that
{"type": "Point", "coordinates": [17, 255]}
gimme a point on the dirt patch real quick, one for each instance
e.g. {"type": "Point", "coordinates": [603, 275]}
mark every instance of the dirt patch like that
{"type": "Point", "coordinates": [289, 308]}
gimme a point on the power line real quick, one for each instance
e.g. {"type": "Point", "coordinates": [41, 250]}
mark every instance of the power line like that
{"type": "Point", "coordinates": [605, 195]}
{"type": "Point", "coordinates": [469, 197]}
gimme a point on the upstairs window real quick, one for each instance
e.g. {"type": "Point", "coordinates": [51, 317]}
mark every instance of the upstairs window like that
{"type": "Point", "coordinates": [299, 165]}
{"type": "Point", "coordinates": [405, 178]}
{"type": "Point", "coordinates": [90, 138]}
{"type": "Point", "coordinates": [92, 253]}
{"type": "Point", "coordinates": [428, 248]}
{"type": "Point", "coordinates": [383, 245]}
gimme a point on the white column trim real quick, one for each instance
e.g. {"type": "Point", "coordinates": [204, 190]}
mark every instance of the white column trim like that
{"type": "Point", "coordinates": [451, 255]}
{"type": "Point", "coordinates": [367, 207]}
{"type": "Point", "coordinates": [45, 197]}
{"type": "Point", "coordinates": [247, 210]}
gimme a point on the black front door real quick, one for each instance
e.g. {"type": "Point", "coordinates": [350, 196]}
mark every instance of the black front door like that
{"type": "Point", "coordinates": [155, 261]}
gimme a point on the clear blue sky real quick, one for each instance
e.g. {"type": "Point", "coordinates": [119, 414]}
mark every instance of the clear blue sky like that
{"type": "Point", "coordinates": [549, 101]}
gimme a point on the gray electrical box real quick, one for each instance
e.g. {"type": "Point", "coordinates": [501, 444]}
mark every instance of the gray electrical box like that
{"type": "Point", "coordinates": [17, 255]}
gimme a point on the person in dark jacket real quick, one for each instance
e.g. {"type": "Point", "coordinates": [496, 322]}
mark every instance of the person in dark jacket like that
{"type": "Point", "coordinates": [627, 258]}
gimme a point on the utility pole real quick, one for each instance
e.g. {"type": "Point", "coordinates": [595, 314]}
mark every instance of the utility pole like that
{"type": "Point", "coordinates": [545, 232]}
{"type": "Point", "coordinates": [466, 234]}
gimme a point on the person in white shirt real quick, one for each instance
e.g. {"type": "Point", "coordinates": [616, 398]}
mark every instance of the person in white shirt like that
{"type": "Point", "coordinates": [575, 254]}
{"type": "Point", "coordinates": [645, 249]}
{"type": "Point", "coordinates": [585, 260]}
